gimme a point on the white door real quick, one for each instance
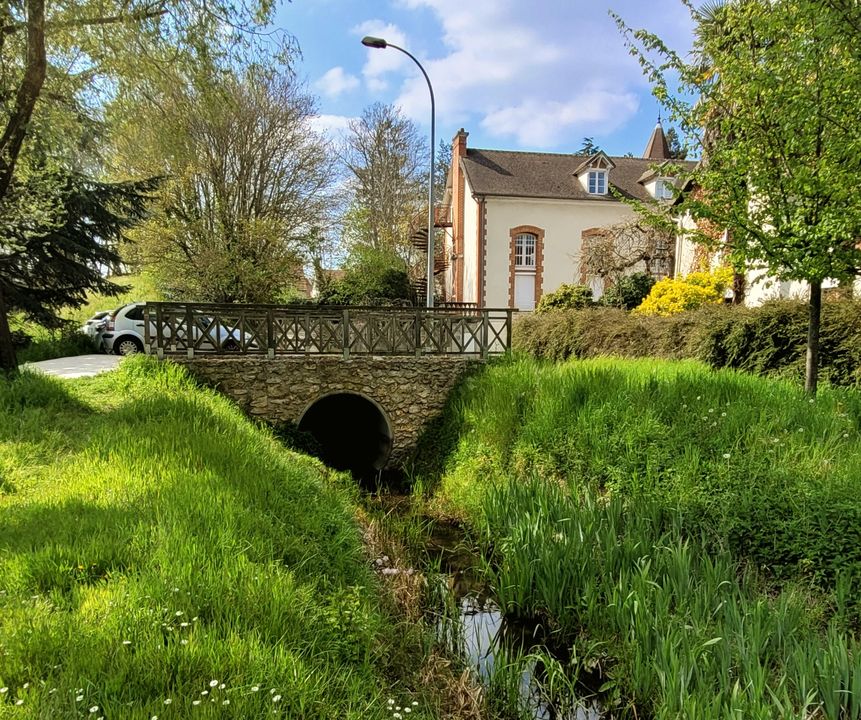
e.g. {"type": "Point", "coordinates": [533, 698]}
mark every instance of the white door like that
{"type": "Point", "coordinates": [524, 291]}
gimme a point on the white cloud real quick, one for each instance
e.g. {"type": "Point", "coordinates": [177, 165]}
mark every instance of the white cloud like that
{"type": "Point", "coordinates": [336, 81]}
{"type": "Point", "coordinates": [379, 61]}
{"type": "Point", "coordinates": [531, 72]}
{"type": "Point", "coordinates": [332, 126]}
{"type": "Point", "coordinates": [539, 124]}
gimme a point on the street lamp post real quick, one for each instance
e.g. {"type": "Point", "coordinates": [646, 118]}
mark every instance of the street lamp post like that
{"type": "Point", "coordinates": [380, 43]}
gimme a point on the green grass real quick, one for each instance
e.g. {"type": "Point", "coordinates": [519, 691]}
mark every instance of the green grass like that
{"type": "Point", "coordinates": [153, 541]}
{"type": "Point", "coordinates": [697, 532]}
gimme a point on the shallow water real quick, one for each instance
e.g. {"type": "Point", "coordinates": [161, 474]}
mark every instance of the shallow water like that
{"type": "Point", "coordinates": [482, 636]}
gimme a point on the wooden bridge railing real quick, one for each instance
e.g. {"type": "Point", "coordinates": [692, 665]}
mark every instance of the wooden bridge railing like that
{"type": "Point", "coordinates": [323, 330]}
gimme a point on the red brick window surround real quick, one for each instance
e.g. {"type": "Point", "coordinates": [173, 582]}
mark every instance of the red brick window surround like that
{"type": "Point", "coordinates": [526, 252]}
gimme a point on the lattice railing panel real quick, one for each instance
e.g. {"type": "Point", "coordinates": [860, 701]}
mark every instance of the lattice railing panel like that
{"type": "Point", "coordinates": [302, 330]}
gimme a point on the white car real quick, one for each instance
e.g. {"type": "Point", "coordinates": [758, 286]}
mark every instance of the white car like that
{"type": "Point", "coordinates": [95, 326]}
{"type": "Point", "coordinates": [124, 332]}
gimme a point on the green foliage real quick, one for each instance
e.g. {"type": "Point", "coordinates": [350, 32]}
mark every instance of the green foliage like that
{"type": "Point", "coordinates": [64, 342]}
{"type": "Point", "coordinates": [370, 277]}
{"type": "Point", "coordinates": [770, 82]}
{"type": "Point", "coordinates": [565, 297]}
{"type": "Point", "coordinates": [768, 340]}
{"type": "Point", "coordinates": [155, 540]}
{"type": "Point", "coordinates": [764, 96]}
{"type": "Point", "coordinates": [674, 295]}
{"type": "Point", "coordinates": [49, 268]}
{"type": "Point", "coordinates": [632, 590]}
{"type": "Point", "coordinates": [138, 287]}
{"type": "Point", "coordinates": [669, 523]}
{"type": "Point", "coordinates": [629, 291]}
{"type": "Point", "coordinates": [247, 185]}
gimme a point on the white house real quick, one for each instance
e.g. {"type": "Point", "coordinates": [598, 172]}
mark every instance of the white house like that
{"type": "Point", "coordinates": [518, 219]}
{"type": "Point", "coordinates": [759, 285]}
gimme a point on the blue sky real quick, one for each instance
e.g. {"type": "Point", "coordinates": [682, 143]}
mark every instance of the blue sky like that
{"type": "Point", "coordinates": [516, 74]}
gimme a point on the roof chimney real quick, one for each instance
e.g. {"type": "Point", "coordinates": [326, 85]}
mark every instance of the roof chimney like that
{"type": "Point", "coordinates": [657, 147]}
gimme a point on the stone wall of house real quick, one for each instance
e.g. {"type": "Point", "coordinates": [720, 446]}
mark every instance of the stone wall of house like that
{"type": "Point", "coordinates": [410, 391]}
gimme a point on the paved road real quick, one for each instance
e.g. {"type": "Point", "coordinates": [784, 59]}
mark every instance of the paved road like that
{"type": "Point", "coordinates": [78, 366]}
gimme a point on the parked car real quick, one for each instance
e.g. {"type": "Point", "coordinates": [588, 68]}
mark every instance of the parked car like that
{"type": "Point", "coordinates": [95, 326]}
{"type": "Point", "coordinates": [124, 332]}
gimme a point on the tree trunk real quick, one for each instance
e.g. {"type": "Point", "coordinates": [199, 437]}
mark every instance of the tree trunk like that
{"type": "Point", "coordinates": [28, 92]}
{"type": "Point", "coordinates": [8, 361]}
{"type": "Point", "coordinates": [815, 308]}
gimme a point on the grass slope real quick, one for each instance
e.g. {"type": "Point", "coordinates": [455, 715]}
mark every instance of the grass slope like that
{"type": "Point", "coordinates": [161, 556]}
{"type": "Point", "coordinates": [695, 532]}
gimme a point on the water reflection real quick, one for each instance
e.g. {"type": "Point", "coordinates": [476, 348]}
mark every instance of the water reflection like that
{"type": "Point", "coordinates": [474, 627]}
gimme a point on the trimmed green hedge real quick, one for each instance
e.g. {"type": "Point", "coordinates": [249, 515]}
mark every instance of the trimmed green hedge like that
{"type": "Point", "coordinates": [768, 340]}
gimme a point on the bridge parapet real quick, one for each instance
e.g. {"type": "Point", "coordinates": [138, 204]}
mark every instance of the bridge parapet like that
{"type": "Point", "coordinates": [189, 329]}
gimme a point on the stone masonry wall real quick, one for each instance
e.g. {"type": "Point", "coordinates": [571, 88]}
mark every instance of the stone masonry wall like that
{"type": "Point", "coordinates": [411, 391]}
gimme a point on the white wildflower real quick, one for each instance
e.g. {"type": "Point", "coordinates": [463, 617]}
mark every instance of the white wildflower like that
{"type": "Point", "coordinates": [276, 698]}
{"type": "Point", "coordinates": [213, 683]}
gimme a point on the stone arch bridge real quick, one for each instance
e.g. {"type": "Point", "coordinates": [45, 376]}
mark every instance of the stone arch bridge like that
{"type": "Point", "coordinates": [363, 381]}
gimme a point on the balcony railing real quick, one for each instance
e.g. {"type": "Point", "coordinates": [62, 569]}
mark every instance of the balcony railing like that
{"type": "Point", "coordinates": [442, 216]}
{"type": "Point", "coordinates": [192, 329]}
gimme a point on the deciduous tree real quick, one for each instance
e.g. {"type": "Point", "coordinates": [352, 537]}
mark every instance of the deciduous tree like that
{"type": "Point", "coordinates": [59, 63]}
{"type": "Point", "coordinates": [386, 161]}
{"type": "Point", "coordinates": [246, 189]}
{"type": "Point", "coordinates": [775, 113]}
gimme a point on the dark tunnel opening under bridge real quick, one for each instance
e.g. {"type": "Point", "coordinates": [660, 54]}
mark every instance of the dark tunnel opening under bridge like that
{"type": "Point", "coordinates": [352, 431]}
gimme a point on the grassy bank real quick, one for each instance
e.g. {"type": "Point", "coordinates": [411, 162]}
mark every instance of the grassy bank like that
{"type": "Point", "coordinates": [162, 556]}
{"type": "Point", "coordinates": [695, 532]}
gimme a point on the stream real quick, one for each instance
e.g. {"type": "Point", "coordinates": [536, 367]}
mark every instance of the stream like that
{"type": "Point", "coordinates": [474, 629]}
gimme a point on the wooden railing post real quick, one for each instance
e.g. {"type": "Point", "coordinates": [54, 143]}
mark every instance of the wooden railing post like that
{"type": "Point", "coordinates": [270, 333]}
{"type": "Point", "coordinates": [345, 333]}
{"type": "Point", "coordinates": [417, 333]}
{"type": "Point", "coordinates": [509, 319]}
{"type": "Point", "coordinates": [147, 339]}
{"type": "Point", "coordinates": [485, 319]}
{"type": "Point", "coordinates": [159, 332]}
{"type": "Point", "coordinates": [189, 331]}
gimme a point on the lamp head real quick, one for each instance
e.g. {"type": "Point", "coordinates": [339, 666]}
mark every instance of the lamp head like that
{"type": "Point", "coordinates": [374, 42]}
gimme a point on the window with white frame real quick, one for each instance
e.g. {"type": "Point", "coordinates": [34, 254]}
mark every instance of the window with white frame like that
{"type": "Point", "coordinates": [597, 182]}
{"type": "Point", "coordinates": [524, 251]}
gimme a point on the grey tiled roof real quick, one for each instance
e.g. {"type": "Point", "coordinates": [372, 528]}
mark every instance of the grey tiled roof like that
{"type": "Point", "coordinates": [550, 175]}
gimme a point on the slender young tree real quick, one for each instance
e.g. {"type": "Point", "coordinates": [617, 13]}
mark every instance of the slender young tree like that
{"type": "Point", "coordinates": [386, 159]}
{"type": "Point", "coordinates": [776, 102]}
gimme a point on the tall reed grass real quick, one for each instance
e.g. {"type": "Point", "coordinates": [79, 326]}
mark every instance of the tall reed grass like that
{"type": "Point", "coordinates": [694, 533]}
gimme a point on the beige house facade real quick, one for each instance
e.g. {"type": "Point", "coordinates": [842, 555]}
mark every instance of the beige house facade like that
{"type": "Point", "coordinates": [518, 220]}
{"type": "Point", "coordinates": [759, 285]}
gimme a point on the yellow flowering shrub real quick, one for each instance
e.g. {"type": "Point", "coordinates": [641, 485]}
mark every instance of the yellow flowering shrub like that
{"type": "Point", "coordinates": [674, 295]}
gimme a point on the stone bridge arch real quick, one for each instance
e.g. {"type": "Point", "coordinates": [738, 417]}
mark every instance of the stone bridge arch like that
{"type": "Point", "coordinates": [411, 391]}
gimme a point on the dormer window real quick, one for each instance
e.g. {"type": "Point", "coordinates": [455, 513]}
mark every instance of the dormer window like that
{"type": "Point", "coordinates": [597, 182]}
{"type": "Point", "coordinates": [664, 189]}
{"type": "Point", "coordinates": [592, 173]}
